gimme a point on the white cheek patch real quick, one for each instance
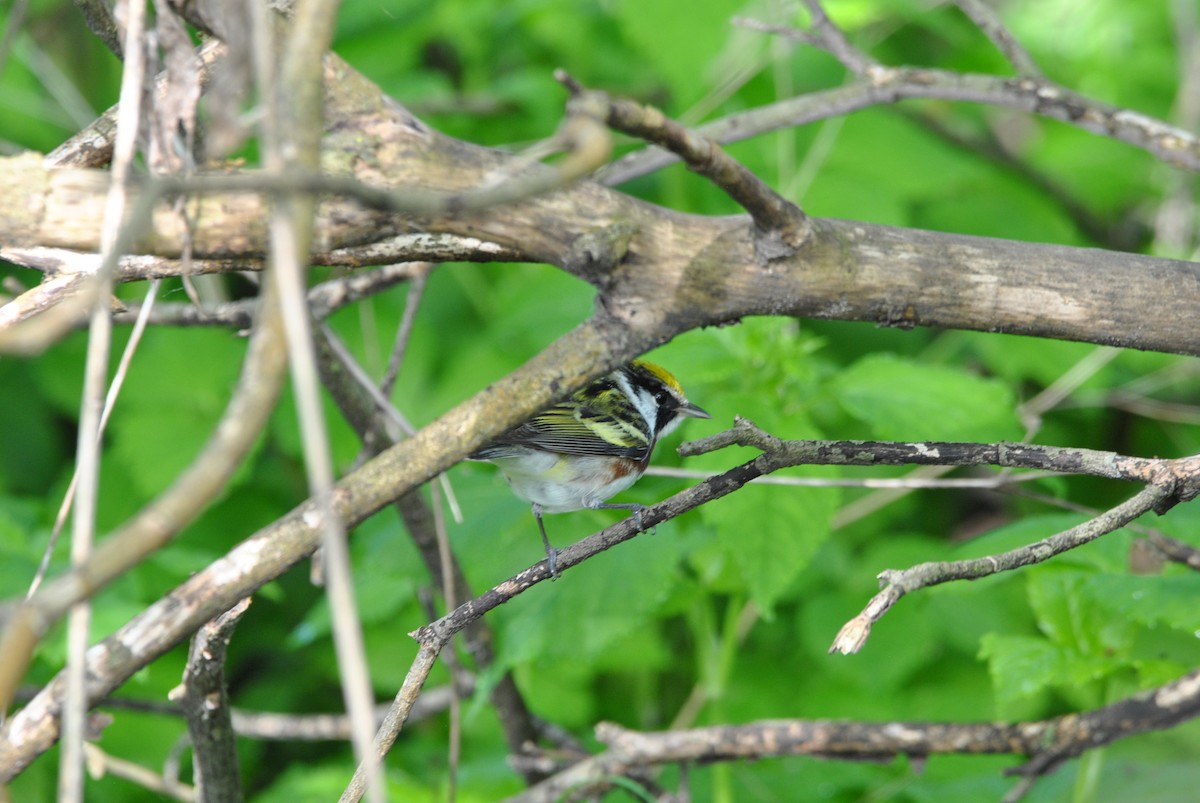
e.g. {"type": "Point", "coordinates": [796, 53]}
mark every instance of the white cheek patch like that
{"type": "Point", "coordinates": [643, 401]}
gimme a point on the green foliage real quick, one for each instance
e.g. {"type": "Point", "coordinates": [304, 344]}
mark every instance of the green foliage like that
{"type": "Point", "coordinates": [905, 400]}
{"type": "Point", "coordinates": [728, 610]}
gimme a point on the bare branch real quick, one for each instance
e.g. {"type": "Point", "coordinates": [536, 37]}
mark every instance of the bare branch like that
{"type": "Point", "coordinates": [205, 702]}
{"type": "Point", "coordinates": [1175, 146]}
{"type": "Point", "coordinates": [707, 271]}
{"type": "Point", "coordinates": [989, 23]}
{"type": "Point", "coordinates": [776, 217]}
{"type": "Point", "coordinates": [397, 715]}
{"type": "Point", "coordinates": [1050, 742]}
{"type": "Point", "coordinates": [273, 726]}
{"type": "Point", "coordinates": [1168, 482]}
{"type": "Point", "coordinates": [898, 583]}
{"type": "Point", "coordinates": [1111, 465]}
{"type": "Point", "coordinates": [101, 763]}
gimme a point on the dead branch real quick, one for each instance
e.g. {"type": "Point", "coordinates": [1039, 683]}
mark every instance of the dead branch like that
{"type": "Point", "coordinates": [204, 700]}
{"type": "Point", "coordinates": [1047, 742]}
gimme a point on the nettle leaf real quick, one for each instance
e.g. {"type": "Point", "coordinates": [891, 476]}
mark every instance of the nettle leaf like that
{"type": "Point", "coordinates": [905, 400]}
{"type": "Point", "coordinates": [771, 533]}
{"type": "Point", "coordinates": [19, 552]}
{"type": "Point", "coordinates": [592, 606]}
{"type": "Point", "coordinates": [1021, 666]}
{"type": "Point", "coordinates": [178, 386]}
{"type": "Point", "coordinates": [1069, 615]}
{"type": "Point", "coordinates": [1150, 601]}
{"type": "Point", "coordinates": [681, 53]}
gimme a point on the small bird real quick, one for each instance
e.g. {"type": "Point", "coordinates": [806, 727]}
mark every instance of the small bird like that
{"type": "Point", "coordinates": [590, 447]}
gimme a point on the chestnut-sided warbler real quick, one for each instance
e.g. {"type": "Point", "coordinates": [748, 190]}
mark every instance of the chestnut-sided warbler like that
{"type": "Point", "coordinates": [595, 444]}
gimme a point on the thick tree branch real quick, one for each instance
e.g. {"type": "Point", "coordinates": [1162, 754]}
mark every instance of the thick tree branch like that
{"type": "Point", "coordinates": [675, 272]}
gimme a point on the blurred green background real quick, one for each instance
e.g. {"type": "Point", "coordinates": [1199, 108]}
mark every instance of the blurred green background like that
{"type": "Point", "coordinates": [725, 615]}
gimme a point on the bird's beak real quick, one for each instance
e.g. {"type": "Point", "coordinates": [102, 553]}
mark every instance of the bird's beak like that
{"type": "Point", "coordinates": [695, 412]}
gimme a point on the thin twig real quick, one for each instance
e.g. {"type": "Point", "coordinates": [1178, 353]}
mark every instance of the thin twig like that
{"type": "Point", "coordinates": [101, 763]}
{"type": "Point", "coordinates": [909, 482]}
{"type": "Point", "coordinates": [896, 584]}
{"type": "Point", "coordinates": [324, 299]}
{"type": "Point", "coordinates": [110, 403]}
{"type": "Point", "coordinates": [1171, 144]}
{"type": "Point", "coordinates": [416, 290]}
{"type": "Point", "coordinates": [782, 225]}
{"type": "Point", "coordinates": [397, 715]}
{"type": "Point", "coordinates": [273, 726]}
{"type": "Point", "coordinates": [83, 524]}
{"type": "Point", "coordinates": [989, 23]}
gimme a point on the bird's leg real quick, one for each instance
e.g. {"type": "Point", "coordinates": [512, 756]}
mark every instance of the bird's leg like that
{"type": "Point", "coordinates": [634, 507]}
{"type": "Point", "coordinates": [551, 552]}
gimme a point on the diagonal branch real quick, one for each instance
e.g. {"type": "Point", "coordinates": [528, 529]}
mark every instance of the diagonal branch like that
{"type": "Point", "coordinates": [773, 214]}
{"type": "Point", "coordinates": [887, 85]}
{"type": "Point", "coordinates": [896, 584]}
{"type": "Point", "coordinates": [597, 346]}
{"type": "Point", "coordinates": [986, 19]}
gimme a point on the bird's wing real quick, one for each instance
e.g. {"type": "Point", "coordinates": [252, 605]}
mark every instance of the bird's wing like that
{"type": "Point", "coordinates": [576, 429]}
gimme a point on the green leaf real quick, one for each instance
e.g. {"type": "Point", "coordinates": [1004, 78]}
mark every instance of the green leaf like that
{"type": "Point", "coordinates": [681, 52]}
{"type": "Point", "coordinates": [178, 385]}
{"type": "Point", "coordinates": [772, 534]}
{"type": "Point", "coordinates": [592, 606]}
{"type": "Point", "coordinates": [905, 400]}
{"type": "Point", "coordinates": [1067, 612]}
{"type": "Point", "coordinates": [34, 446]}
{"type": "Point", "coordinates": [1151, 601]}
{"type": "Point", "coordinates": [1021, 666]}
